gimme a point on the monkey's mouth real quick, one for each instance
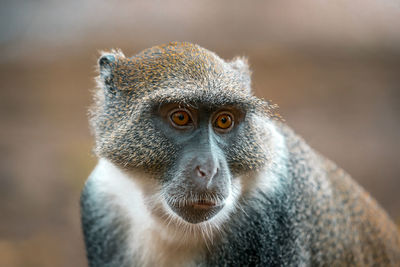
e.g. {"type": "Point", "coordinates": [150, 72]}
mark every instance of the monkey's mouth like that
{"type": "Point", "coordinates": [197, 211]}
{"type": "Point", "coordinates": [204, 204]}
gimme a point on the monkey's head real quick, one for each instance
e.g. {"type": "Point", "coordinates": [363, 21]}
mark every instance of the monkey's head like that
{"type": "Point", "coordinates": [185, 125]}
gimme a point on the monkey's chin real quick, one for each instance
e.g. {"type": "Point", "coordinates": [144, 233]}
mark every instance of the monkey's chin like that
{"type": "Point", "coordinates": [197, 212]}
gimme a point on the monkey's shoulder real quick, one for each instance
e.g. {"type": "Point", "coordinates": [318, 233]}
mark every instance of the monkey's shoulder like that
{"type": "Point", "coordinates": [345, 221]}
{"type": "Point", "coordinates": [348, 225]}
{"type": "Point", "coordinates": [363, 224]}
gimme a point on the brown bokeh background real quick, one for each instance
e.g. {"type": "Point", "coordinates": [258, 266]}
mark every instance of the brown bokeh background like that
{"type": "Point", "coordinates": [332, 66]}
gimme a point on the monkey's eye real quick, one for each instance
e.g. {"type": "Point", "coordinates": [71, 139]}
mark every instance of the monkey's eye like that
{"type": "Point", "coordinates": [224, 121]}
{"type": "Point", "coordinates": [180, 118]}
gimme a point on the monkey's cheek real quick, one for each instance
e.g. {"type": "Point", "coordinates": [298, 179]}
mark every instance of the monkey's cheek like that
{"type": "Point", "coordinates": [196, 213]}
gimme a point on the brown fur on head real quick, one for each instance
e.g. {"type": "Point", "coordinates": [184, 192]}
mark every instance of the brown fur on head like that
{"type": "Point", "coordinates": [173, 64]}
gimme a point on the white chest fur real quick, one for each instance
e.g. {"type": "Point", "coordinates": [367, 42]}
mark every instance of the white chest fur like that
{"type": "Point", "coordinates": [150, 242]}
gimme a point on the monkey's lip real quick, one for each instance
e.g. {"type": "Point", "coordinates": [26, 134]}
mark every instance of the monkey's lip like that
{"type": "Point", "coordinates": [197, 212]}
{"type": "Point", "coordinates": [204, 204]}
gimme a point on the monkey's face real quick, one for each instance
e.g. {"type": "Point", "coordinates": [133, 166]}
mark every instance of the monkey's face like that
{"type": "Point", "coordinates": [198, 184]}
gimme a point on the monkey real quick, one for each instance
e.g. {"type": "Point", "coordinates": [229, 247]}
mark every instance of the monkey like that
{"type": "Point", "coordinates": [194, 170]}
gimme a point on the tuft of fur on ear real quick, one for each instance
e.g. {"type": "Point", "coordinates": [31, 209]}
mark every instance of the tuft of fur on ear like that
{"type": "Point", "coordinates": [107, 64]}
{"type": "Point", "coordinates": [241, 65]}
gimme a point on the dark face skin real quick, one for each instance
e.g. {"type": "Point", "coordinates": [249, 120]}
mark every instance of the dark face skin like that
{"type": "Point", "coordinates": [200, 180]}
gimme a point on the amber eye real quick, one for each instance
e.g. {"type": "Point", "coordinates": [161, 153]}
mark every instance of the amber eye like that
{"type": "Point", "coordinates": [180, 118]}
{"type": "Point", "coordinates": [224, 121]}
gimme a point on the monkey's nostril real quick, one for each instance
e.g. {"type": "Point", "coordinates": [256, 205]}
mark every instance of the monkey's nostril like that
{"type": "Point", "coordinates": [200, 173]}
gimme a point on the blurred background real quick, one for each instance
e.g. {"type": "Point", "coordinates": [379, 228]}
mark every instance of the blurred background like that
{"type": "Point", "coordinates": [332, 66]}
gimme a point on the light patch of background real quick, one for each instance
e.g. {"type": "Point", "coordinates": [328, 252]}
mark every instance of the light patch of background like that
{"type": "Point", "coordinates": [332, 66]}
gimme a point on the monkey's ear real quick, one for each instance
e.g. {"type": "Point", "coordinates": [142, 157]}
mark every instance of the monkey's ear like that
{"type": "Point", "coordinates": [108, 63]}
{"type": "Point", "coordinates": [241, 65]}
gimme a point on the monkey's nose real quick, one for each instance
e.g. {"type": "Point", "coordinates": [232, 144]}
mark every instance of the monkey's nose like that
{"type": "Point", "coordinates": [204, 174]}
